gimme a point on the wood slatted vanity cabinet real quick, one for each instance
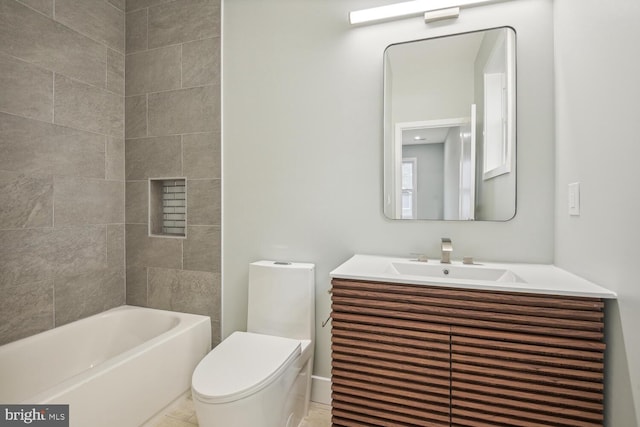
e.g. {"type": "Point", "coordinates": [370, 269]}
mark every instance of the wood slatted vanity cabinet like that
{"type": "Point", "coordinates": [430, 356]}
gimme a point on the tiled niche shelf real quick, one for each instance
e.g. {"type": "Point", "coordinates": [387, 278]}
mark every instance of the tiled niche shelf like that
{"type": "Point", "coordinates": [168, 207]}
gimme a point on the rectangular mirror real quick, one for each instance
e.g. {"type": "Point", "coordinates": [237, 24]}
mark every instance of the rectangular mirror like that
{"type": "Point", "coordinates": [450, 127]}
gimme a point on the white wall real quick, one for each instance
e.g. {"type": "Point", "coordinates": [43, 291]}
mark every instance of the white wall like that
{"type": "Point", "coordinates": [495, 197]}
{"type": "Point", "coordinates": [441, 88]}
{"type": "Point", "coordinates": [302, 143]}
{"type": "Point", "coordinates": [598, 145]}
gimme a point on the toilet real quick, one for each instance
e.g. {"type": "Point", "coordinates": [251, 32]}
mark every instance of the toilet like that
{"type": "Point", "coordinates": [262, 377]}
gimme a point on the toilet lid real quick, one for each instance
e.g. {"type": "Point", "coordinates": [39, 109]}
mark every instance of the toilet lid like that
{"type": "Point", "coordinates": [241, 365]}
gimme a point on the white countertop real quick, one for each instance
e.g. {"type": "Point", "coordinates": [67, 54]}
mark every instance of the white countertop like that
{"type": "Point", "coordinates": [534, 278]}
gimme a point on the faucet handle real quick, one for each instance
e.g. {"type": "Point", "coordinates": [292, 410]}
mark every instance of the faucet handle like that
{"type": "Point", "coordinates": [420, 257]}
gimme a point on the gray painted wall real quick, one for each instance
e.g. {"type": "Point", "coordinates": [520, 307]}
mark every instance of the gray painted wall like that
{"type": "Point", "coordinates": [597, 93]}
{"type": "Point", "coordinates": [302, 151]}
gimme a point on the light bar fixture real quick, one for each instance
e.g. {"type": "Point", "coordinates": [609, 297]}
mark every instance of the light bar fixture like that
{"type": "Point", "coordinates": [409, 8]}
{"type": "Point", "coordinates": [439, 15]}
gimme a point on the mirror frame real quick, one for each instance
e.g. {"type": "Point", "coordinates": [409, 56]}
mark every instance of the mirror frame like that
{"type": "Point", "coordinates": [506, 147]}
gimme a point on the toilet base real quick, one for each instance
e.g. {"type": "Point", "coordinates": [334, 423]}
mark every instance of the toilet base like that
{"type": "Point", "coordinates": [283, 403]}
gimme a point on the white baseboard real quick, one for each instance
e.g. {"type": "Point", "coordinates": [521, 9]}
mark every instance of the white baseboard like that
{"type": "Point", "coordinates": [321, 389]}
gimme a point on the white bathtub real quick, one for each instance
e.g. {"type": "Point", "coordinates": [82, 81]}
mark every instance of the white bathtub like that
{"type": "Point", "coordinates": [117, 368]}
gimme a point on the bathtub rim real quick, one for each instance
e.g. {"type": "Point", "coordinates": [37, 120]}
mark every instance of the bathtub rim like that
{"type": "Point", "coordinates": [186, 321]}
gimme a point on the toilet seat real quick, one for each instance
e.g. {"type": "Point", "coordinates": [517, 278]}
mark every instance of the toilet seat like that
{"type": "Point", "coordinates": [242, 365]}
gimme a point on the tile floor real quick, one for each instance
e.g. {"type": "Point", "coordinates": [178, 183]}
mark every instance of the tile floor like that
{"type": "Point", "coordinates": [182, 414]}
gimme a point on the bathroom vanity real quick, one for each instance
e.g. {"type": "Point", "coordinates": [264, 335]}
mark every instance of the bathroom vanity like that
{"type": "Point", "coordinates": [430, 344]}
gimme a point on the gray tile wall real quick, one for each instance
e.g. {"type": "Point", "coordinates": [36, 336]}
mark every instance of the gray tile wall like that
{"type": "Point", "coordinates": [172, 129]}
{"type": "Point", "coordinates": [62, 150]}
{"type": "Point", "coordinates": [64, 118]}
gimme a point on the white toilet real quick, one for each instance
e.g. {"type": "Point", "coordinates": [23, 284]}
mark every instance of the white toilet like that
{"type": "Point", "coordinates": [262, 377]}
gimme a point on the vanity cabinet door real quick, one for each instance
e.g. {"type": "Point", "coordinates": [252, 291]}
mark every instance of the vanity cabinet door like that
{"type": "Point", "coordinates": [390, 367]}
{"type": "Point", "coordinates": [545, 368]}
{"type": "Point", "coordinates": [410, 355]}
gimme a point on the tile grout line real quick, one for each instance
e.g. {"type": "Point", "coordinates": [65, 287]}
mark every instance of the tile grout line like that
{"type": "Point", "coordinates": [65, 126]}
{"type": "Point", "coordinates": [106, 155]}
{"type": "Point", "coordinates": [102, 43]}
{"type": "Point", "coordinates": [35, 10]}
{"type": "Point", "coordinates": [53, 98]}
{"type": "Point", "coordinates": [146, 130]}
{"type": "Point", "coordinates": [181, 65]}
{"type": "Point", "coordinates": [168, 90]}
{"type": "Point", "coordinates": [124, 252]}
{"type": "Point", "coordinates": [147, 29]}
{"type": "Point", "coordinates": [53, 17]}
{"type": "Point", "coordinates": [106, 68]}
{"type": "Point", "coordinates": [58, 124]}
{"type": "Point", "coordinates": [101, 92]}
{"type": "Point", "coordinates": [66, 76]}
{"type": "Point", "coordinates": [161, 136]}
{"type": "Point", "coordinates": [115, 7]}
{"type": "Point", "coordinates": [146, 298]}
{"type": "Point", "coordinates": [151, 49]}
{"type": "Point", "coordinates": [53, 291]}
{"type": "Point", "coordinates": [53, 203]}
{"type": "Point", "coordinates": [106, 244]}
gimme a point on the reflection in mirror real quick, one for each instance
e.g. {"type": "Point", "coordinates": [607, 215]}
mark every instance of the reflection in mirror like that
{"type": "Point", "coordinates": [449, 106]}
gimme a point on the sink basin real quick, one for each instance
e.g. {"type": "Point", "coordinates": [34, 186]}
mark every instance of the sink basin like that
{"type": "Point", "coordinates": [508, 277]}
{"type": "Point", "coordinates": [454, 272]}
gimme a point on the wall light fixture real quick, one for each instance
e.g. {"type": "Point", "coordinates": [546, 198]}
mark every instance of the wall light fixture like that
{"type": "Point", "coordinates": [433, 9]}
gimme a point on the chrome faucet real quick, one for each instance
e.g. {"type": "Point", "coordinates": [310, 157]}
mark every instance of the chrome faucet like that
{"type": "Point", "coordinates": [446, 248]}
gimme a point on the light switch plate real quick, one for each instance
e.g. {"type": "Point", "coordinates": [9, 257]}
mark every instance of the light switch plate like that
{"type": "Point", "coordinates": [574, 199]}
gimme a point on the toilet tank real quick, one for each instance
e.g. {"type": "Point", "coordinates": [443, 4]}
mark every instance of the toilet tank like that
{"type": "Point", "coordinates": [281, 299]}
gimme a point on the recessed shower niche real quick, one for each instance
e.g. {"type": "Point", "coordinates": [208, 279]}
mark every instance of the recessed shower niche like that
{"type": "Point", "coordinates": [168, 207]}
